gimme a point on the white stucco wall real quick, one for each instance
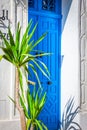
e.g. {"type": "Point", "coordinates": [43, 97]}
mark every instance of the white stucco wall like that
{"type": "Point", "coordinates": [17, 11]}
{"type": "Point", "coordinates": [70, 75]}
{"type": "Point", "coordinates": [73, 74]}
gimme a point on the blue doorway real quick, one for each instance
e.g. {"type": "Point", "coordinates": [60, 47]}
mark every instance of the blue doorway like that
{"type": "Point", "coordinates": [48, 15]}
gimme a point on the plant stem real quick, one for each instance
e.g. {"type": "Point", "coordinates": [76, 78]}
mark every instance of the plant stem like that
{"type": "Point", "coordinates": [20, 109]}
{"type": "Point", "coordinates": [32, 127]}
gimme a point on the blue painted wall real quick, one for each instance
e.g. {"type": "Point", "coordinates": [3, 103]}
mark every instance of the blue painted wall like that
{"type": "Point", "coordinates": [49, 20]}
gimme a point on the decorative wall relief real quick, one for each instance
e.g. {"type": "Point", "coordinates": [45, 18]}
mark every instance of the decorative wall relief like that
{"type": "Point", "coordinates": [4, 23]}
{"type": "Point", "coordinates": [83, 55]}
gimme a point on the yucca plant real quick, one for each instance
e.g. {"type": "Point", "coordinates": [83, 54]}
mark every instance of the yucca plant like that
{"type": "Point", "coordinates": [35, 102]}
{"type": "Point", "coordinates": [68, 117]}
{"type": "Point", "coordinates": [19, 52]}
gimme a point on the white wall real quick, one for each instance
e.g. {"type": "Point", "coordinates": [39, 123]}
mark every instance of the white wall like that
{"type": "Point", "coordinates": [70, 82]}
{"type": "Point", "coordinates": [9, 119]}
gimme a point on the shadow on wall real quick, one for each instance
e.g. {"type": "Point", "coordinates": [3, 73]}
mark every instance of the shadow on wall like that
{"type": "Point", "coordinates": [66, 4]}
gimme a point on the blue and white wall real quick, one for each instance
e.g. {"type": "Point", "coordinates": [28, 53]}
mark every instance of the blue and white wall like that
{"type": "Point", "coordinates": [70, 71]}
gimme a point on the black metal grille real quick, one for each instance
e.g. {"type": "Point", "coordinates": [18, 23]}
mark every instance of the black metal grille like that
{"type": "Point", "coordinates": [31, 3]}
{"type": "Point", "coordinates": [48, 5]}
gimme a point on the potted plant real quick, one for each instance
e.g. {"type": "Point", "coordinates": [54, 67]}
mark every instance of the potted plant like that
{"type": "Point", "coordinates": [19, 53]}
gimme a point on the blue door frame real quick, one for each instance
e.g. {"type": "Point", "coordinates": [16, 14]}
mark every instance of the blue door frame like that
{"type": "Point", "coordinates": [49, 19]}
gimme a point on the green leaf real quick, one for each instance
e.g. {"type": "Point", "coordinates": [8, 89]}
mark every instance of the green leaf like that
{"type": "Point", "coordinates": [37, 98]}
{"type": "Point", "coordinates": [12, 99]}
{"type": "Point", "coordinates": [34, 91]}
{"type": "Point", "coordinates": [42, 101]}
{"type": "Point", "coordinates": [17, 40]}
{"type": "Point", "coordinates": [13, 49]}
{"type": "Point", "coordinates": [40, 69]}
{"type": "Point", "coordinates": [39, 102]}
{"type": "Point", "coordinates": [39, 124]}
{"type": "Point", "coordinates": [45, 67]}
{"type": "Point", "coordinates": [24, 107]}
{"type": "Point", "coordinates": [39, 40]}
{"type": "Point", "coordinates": [8, 51]}
{"type": "Point", "coordinates": [30, 45]}
{"type": "Point", "coordinates": [21, 84]}
{"type": "Point", "coordinates": [25, 52]}
{"type": "Point", "coordinates": [30, 103]}
{"type": "Point", "coordinates": [21, 80]}
{"type": "Point", "coordinates": [24, 41]}
{"type": "Point", "coordinates": [32, 32]}
{"type": "Point", "coordinates": [11, 37]}
{"type": "Point", "coordinates": [6, 57]}
{"type": "Point", "coordinates": [26, 67]}
{"type": "Point", "coordinates": [42, 54]}
{"type": "Point", "coordinates": [1, 56]}
{"type": "Point", "coordinates": [28, 123]}
{"type": "Point", "coordinates": [26, 32]}
{"type": "Point", "coordinates": [44, 126]}
{"type": "Point", "coordinates": [35, 72]}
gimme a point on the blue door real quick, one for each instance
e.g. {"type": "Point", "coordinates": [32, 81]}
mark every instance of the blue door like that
{"type": "Point", "coordinates": [47, 13]}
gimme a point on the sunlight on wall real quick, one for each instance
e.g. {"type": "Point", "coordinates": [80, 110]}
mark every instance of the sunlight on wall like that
{"type": "Point", "coordinates": [70, 49]}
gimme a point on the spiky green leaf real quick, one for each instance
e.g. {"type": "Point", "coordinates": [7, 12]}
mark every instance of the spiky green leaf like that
{"type": "Point", "coordinates": [28, 123]}
{"type": "Point", "coordinates": [1, 56]}
{"type": "Point", "coordinates": [24, 107]}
